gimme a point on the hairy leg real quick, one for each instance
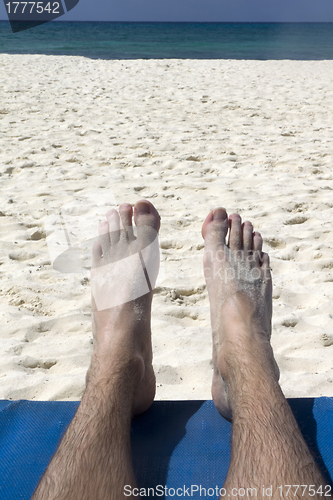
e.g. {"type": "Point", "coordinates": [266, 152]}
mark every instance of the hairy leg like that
{"type": "Point", "coordinates": [268, 449]}
{"type": "Point", "coordinates": [94, 459]}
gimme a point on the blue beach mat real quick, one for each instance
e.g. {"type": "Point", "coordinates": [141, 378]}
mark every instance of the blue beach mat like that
{"type": "Point", "coordinates": [180, 445]}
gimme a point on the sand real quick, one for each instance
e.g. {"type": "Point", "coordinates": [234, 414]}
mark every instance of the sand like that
{"type": "Point", "coordinates": [80, 136]}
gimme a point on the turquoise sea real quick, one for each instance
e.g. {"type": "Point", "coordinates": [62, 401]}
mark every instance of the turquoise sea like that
{"type": "Point", "coordinates": [299, 41]}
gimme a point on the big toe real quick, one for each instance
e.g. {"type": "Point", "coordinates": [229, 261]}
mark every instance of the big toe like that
{"type": "Point", "coordinates": [215, 227]}
{"type": "Point", "coordinates": [147, 220]}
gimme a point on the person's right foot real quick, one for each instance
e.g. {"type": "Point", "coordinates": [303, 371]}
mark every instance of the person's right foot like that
{"type": "Point", "coordinates": [239, 286]}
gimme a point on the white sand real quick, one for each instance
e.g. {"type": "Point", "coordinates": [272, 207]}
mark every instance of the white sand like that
{"type": "Point", "coordinates": [82, 135]}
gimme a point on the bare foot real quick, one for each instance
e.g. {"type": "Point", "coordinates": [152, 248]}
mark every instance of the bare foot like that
{"type": "Point", "coordinates": [123, 275]}
{"type": "Point", "coordinates": [239, 286]}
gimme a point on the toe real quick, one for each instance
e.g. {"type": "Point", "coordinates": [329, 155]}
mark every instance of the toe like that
{"type": "Point", "coordinates": [96, 254]}
{"type": "Point", "coordinates": [147, 221]}
{"type": "Point", "coordinates": [266, 270]}
{"type": "Point", "coordinates": [104, 239]}
{"type": "Point", "coordinates": [247, 235]}
{"type": "Point", "coordinates": [114, 225]}
{"type": "Point", "coordinates": [266, 262]}
{"type": "Point", "coordinates": [235, 234]}
{"type": "Point", "coordinates": [215, 226]}
{"type": "Point", "coordinates": [257, 245]}
{"type": "Point", "coordinates": [126, 214]}
{"type": "Point", "coordinates": [146, 217]}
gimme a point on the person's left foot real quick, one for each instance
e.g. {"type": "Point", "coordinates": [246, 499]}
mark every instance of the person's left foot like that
{"type": "Point", "coordinates": [123, 275]}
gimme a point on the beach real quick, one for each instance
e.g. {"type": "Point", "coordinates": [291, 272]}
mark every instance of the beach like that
{"type": "Point", "coordinates": [80, 136]}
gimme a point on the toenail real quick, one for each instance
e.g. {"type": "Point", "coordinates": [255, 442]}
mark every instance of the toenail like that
{"type": "Point", "coordinates": [125, 206]}
{"type": "Point", "coordinates": [219, 214]}
{"type": "Point", "coordinates": [142, 208]}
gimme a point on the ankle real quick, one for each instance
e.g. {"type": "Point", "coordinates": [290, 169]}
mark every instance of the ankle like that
{"type": "Point", "coordinates": [245, 357]}
{"type": "Point", "coordinates": [120, 372]}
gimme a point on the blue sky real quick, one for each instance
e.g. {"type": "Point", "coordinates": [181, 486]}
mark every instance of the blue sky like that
{"type": "Point", "coordinates": [199, 10]}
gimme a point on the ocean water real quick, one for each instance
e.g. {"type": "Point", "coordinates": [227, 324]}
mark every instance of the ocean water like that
{"type": "Point", "coordinates": [262, 41]}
